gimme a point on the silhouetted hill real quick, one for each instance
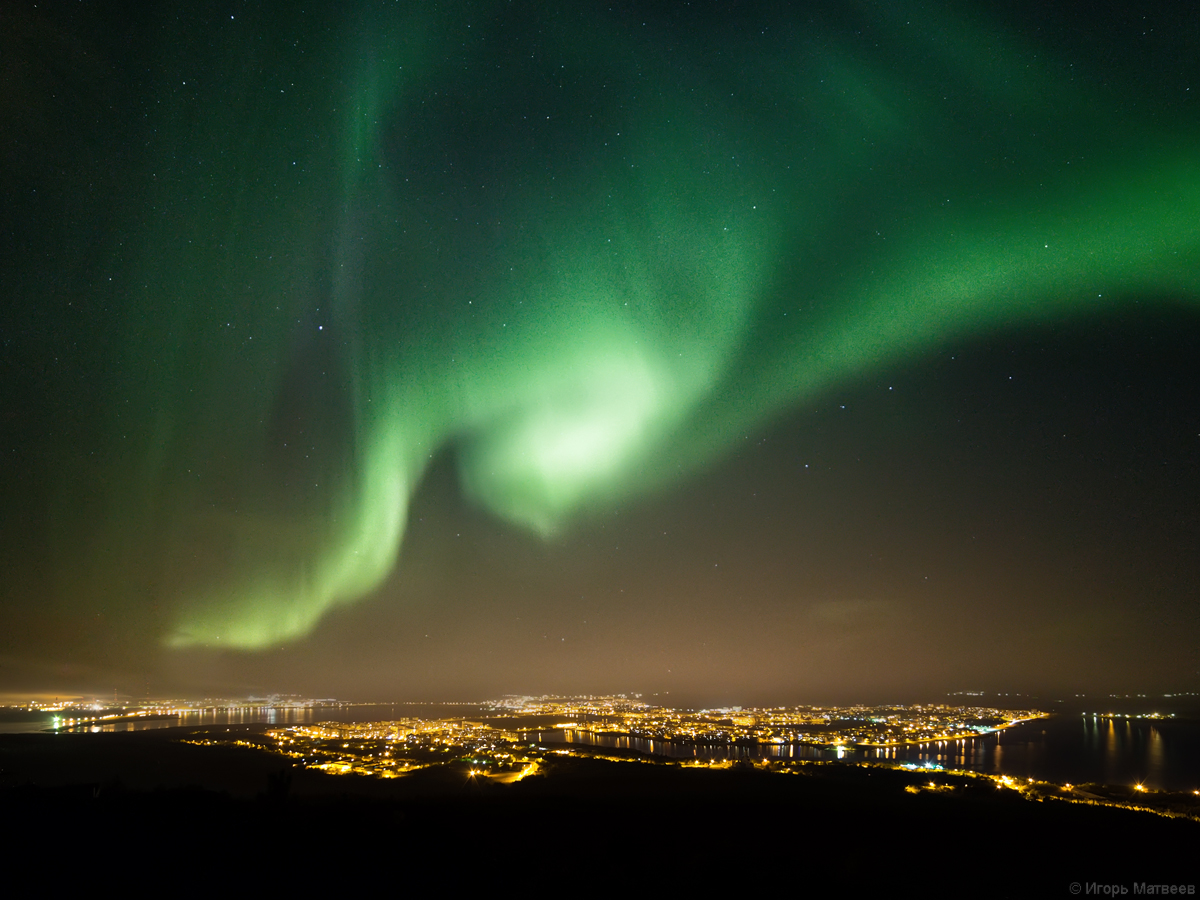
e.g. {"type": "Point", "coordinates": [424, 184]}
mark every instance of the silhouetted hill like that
{"type": "Point", "coordinates": [103, 798]}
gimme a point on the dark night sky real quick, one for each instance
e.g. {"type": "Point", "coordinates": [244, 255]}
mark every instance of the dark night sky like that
{"type": "Point", "coordinates": [751, 353]}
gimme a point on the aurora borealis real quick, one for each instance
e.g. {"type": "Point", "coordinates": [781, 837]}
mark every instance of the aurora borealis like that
{"type": "Point", "coordinates": [444, 348]}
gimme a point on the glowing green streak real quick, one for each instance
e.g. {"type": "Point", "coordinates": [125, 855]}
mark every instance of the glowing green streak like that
{"type": "Point", "coordinates": [1131, 235]}
{"type": "Point", "coordinates": [361, 538]}
{"type": "Point", "coordinates": [287, 601]}
{"type": "Point", "coordinates": [640, 330]}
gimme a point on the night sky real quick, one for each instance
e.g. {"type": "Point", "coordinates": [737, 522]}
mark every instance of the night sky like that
{"type": "Point", "coordinates": [726, 353]}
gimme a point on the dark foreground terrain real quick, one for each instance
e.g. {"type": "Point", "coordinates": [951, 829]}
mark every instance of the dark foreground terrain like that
{"type": "Point", "coordinates": [105, 802]}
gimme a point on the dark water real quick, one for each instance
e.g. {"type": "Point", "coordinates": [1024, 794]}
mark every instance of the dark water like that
{"type": "Point", "coordinates": [1160, 754]}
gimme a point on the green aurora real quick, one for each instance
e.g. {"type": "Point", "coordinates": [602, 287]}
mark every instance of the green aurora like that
{"type": "Point", "coordinates": [585, 252]}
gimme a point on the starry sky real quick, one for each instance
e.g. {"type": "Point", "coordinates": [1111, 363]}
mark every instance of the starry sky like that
{"type": "Point", "coordinates": [726, 353]}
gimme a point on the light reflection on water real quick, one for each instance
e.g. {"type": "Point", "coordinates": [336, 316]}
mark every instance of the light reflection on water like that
{"type": "Point", "coordinates": [205, 717]}
{"type": "Point", "coordinates": [1065, 749]}
{"type": "Point", "coordinates": [263, 715]}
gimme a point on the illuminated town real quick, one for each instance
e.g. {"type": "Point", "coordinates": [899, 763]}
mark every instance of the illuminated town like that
{"type": "Point", "coordinates": [510, 739]}
{"type": "Point", "coordinates": [926, 746]}
{"type": "Point", "coordinates": [814, 725]}
{"type": "Point", "coordinates": [515, 734]}
{"type": "Point", "coordinates": [520, 737]}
